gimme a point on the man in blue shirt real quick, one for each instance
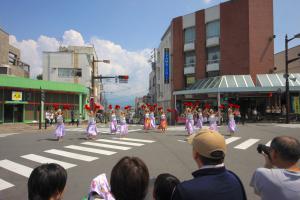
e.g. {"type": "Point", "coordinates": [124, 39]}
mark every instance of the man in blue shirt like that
{"type": "Point", "coordinates": [212, 181]}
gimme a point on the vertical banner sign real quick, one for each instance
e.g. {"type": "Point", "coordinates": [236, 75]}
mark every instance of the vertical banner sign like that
{"type": "Point", "coordinates": [166, 64]}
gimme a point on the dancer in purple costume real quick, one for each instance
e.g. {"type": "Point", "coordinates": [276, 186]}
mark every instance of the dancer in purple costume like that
{"type": "Point", "coordinates": [213, 120]}
{"type": "Point", "coordinates": [190, 121]}
{"type": "Point", "coordinates": [60, 128]}
{"type": "Point", "coordinates": [123, 125]}
{"type": "Point", "coordinates": [113, 123]}
{"type": "Point", "coordinates": [152, 120]}
{"type": "Point", "coordinates": [92, 127]}
{"type": "Point", "coordinates": [200, 119]}
{"type": "Point", "coordinates": [231, 122]}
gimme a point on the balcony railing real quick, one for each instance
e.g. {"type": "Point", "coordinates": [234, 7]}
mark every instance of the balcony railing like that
{"type": "Point", "coordinates": [213, 61]}
{"type": "Point", "coordinates": [189, 64]}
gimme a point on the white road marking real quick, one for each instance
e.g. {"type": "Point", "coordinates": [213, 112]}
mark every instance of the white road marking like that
{"type": "Point", "coordinates": [133, 130]}
{"type": "Point", "coordinates": [246, 144]}
{"type": "Point", "coordinates": [120, 142]}
{"type": "Point", "coordinates": [269, 143]}
{"type": "Point", "coordinates": [106, 145]}
{"type": "Point", "coordinates": [71, 155]}
{"type": "Point", "coordinates": [181, 140]}
{"type": "Point", "coordinates": [134, 140]}
{"type": "Point", "coordinates": [231, 139]}
{"type": "Point", "coordinates": [4, 185]}
{"type": "Point", "coordinates": [16, 167]}
{"type": "Point", "coordinates": [92, 150]}
{"type": "Point", "coordinates": [42, 159]}
{"type": "Point", "coordinates": [8, 134]}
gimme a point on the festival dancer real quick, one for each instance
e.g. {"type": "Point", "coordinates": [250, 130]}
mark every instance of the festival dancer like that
{"type": "Point", "coordinates": [147, 120]}
{"type": "Point", "coordinates": [152, 119]}
{"type": "Point", "coordinates": [213, 120]}
{"type": "Point", "coordinates": [189, 121]}
{"type": "Point", "coordinates": [60, 128]}
{"type": "Point", "coordinates": [200, 119]}
{"type": "Point", "coordinates": [113, 123]}
{"type": "Point", "coordinates": [163, 121]}
{"type": "Point", "coordinates": [123, 124]}
{"type": "Point", "coordinates": [231, 122]}
{"type": "Point", "coordinates": [92, 127]}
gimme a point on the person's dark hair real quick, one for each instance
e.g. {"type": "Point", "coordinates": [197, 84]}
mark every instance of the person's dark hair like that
{"type": "Point", "coordinates": [45, 181]}
{"type": "Point", "coordinates": [210, 161]}
{"type": "Point", "coordinates": [129, 179]}
{"type": "Point", "coordinates": [287, 147]}
{"type": "Point", "coordinates": [164, 186]}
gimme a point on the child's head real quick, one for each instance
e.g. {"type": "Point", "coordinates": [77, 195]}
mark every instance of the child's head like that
{"type": "Point", "coordinates": [164, 186]}
{"type": "Point", "coordinates": [47, 181]}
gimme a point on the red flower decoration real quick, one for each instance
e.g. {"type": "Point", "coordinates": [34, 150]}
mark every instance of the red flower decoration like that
{"type": "Point", "coordinates": [207, 106]}
{"type": "Point", "coordinates": [87, 107]}
{"type": "Point", "coordinates": [160, 108]}
{"type": "Point", "coordinates": [117, 107]}
{"type": "Point", "coordinates": [110, 107]}
{"type": "Point", "coordinates": [169, 110]}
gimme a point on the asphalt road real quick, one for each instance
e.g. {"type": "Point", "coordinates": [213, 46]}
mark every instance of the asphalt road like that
{"type": "Point", "coordinates": [161, 152]}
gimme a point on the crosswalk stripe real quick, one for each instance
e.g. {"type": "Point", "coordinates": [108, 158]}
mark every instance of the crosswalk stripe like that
{"type": "Point", "coordinates": [133, 130]}
{"type": "Point", "coordinates": [7, 134]}
{"type": "Point", "coordinates": [4, 184]}
{"type": "Point", "coordinates": [16, 167]}
{"type": "Point", "coordinates": [231, 139]}
{"type": "Point", "coordinates": [246, 144]}
{"type": "Point", "coordinates": [71, 155]}
{"type": "Point", "coordinates": [120, 142]}
{"type": "Point", "coordinates": [92, 150]}
{"type": "Point", "coordinates": [42, 159]}
{"type": "Point", "coordinates": [106, 145]}
{"type": "Point", "coordinates": [136, 140]}
{"type": "Point", "coordinates": [269, 143]}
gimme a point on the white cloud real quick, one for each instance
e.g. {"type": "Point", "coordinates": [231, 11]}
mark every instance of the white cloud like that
{"type": "Point", "coordinates": [123, 62]}
{"type": "Point", "coordinates": [207, 1]}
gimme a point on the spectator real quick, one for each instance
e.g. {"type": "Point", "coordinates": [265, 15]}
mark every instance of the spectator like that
{"type": "Point", "coordinates": [164, 186]}
{"type": "Point", "coordinates": [47, 182]}
{"type": "Point", "coordinates": [283, 181]}
{"type": "Point", "coordinates": [129, 179]}
{"type": "Point", "coordinates": [72, 117]}
{"type": "Point", "coordinates": [212, 181]}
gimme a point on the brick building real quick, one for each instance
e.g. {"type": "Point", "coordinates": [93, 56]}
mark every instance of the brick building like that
{"type": "Point", "coordinates": [232, 38]}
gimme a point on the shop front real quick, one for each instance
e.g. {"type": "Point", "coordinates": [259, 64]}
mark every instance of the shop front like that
{"type": "Point", "coordinates": [22, 100]}
{"type": "Point", "coordinates": [267, 96]}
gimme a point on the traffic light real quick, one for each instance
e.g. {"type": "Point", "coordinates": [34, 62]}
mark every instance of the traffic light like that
{"type": "Point", "coordinates": [123, 78]}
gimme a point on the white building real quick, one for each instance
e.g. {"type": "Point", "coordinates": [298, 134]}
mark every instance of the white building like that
{"type": "Point", "coordinates": [72, 64]}
{"type": "Point", "coordinates": [163, 84]}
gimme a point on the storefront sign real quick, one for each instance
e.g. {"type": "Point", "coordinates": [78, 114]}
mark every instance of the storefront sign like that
{"type": "Point", "coordinates": [16, 96]}
{"type": "Point", "coordinates": [296, 105]}
{"type": "Point", "coordinates": [166, 64]}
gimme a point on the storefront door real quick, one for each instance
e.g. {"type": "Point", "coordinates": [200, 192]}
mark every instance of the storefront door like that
{"type": "Point", "coordinates": [13, 113]}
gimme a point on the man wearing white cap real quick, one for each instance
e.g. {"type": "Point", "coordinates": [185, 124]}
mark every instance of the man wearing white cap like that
{"type": "Point", "coordinates": [212, 181]}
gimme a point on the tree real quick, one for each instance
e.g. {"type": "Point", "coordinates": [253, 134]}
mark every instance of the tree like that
{"type": "Point", "coordinates": [39, 77]}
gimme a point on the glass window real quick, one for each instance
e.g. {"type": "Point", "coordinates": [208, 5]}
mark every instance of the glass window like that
{"type": "Point", "coordinates": [69, 72]}
{"type": "Point", "coordinates": [212, 74]}
{"type": "Point", "coordinates": [189, 35]}
{"type": "Point", "coordinates": [213, 55]}
{"type": "Point", "coordinates": [213, 29]}
{"type": "Point", "coordinates": [189, 59]}
{"type": "Point", "coordinates": [189, 80]}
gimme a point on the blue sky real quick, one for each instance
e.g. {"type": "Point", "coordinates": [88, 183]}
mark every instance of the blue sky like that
{"type": "Point", "coordinates": [133, 24]}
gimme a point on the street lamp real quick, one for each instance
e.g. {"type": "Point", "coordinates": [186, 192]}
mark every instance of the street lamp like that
{"type": "Point", "coordinates": [286, 75]}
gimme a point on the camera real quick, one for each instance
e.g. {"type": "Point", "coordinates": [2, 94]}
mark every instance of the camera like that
{"type": "Point", "coordinates": [263, 148]}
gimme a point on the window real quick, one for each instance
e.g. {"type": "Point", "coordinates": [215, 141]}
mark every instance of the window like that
{"type": "Point", "coordinates": [212, 74]}
{"type": "Point", "coordinates": [213, 55]}
{"type": "Point", "coordinates": [189, 59]}
{"type": "Point", "coordinates": [69, 72]}
{"type": "Point", "coordinates": [189, 35]}
{"type": "Point", "coordinates": [3, 70]}
{"type": "Point", "coordinates": [213, 29]}
{"type": "Point", "coordinates": [189, 80]}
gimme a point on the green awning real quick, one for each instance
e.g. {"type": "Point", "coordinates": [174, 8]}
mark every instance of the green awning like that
{"type": "Point", "coordinates": [26, 83]}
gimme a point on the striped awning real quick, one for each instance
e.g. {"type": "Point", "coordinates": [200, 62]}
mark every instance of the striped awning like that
{"type": "Point", "coordinates": [243, 83]}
